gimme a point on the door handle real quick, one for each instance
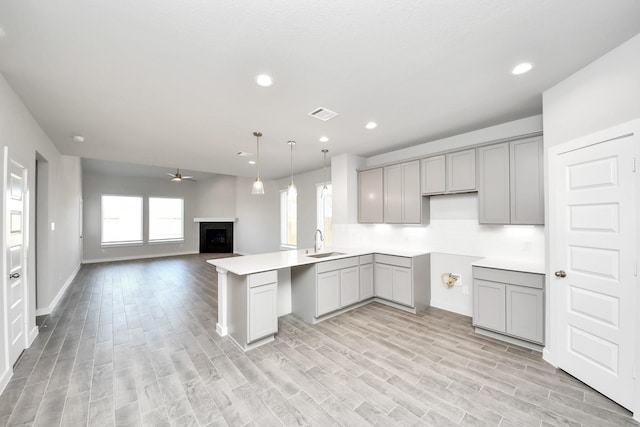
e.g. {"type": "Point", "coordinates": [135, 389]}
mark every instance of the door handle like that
{"type": "Point", "coordinates": [560, 273]}
{"type": "Point", "coordinates": [14, 276]}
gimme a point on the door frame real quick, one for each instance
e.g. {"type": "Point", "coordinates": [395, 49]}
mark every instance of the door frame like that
{"type": "Point", "coordinates": [27, 334]}
{"type": "Point", "coordinates": [553, 340]}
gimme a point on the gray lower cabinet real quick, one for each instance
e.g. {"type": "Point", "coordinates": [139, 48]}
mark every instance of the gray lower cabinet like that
{"type": "Point", "coordinates": [253, 314]}
{"type": "Point", "coordinates": [263, 316]}
{"type": "Point", "coordinates": [349, 286]}
{"type": "Point", "coordinates": [328, 292]}
{"type": "Point", "coordinates": [509, 302]}
{"type": "Point", "coordinates": [403, 280]}
{"type": "Point", "coordinates": [325, 287]}
{"type": "Point", "coordinates": [382, 279]}
{"type": "Point", "coordinates": [366, 277]}
{"type": "Point", "coordinates": [510, 188]}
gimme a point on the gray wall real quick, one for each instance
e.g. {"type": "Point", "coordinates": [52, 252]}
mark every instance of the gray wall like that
{"type": "Point", "coordinates": [216, 197]}
{"type": "Point", "coordinates": [23, 137]}
{"type": "Point", "coordinates": [95, 185]}
{"type": "Point", "coordinates": [258, 226]}
{"type": "Point", "coordinates": [602, 94]}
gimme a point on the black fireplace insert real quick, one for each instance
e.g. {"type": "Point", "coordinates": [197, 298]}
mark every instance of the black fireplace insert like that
{"type": "Point", "coordinates": [216, 237]}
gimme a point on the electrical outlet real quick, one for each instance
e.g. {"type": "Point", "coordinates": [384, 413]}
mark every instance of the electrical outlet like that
{"type": "Point", "coordinates": [458, 278]}
{"type": "Point", "coordinates": [465, 290]}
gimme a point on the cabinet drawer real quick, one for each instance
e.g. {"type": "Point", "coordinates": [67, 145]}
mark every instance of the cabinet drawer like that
{"type": "Point", "coordinates": [399, 261]}
{"type": "Point", "coordinates": [366, 259]}
{"type": "Point", "coordinates": [266, 277]}
{"type": "Point", "coordinates": [337, 264]}
{"type": "Point", "coordinates": [531, 280]}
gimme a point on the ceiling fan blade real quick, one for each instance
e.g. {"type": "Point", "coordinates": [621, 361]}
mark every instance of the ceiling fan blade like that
{"type": "Point", "coordinates": [187, 177]}
{"type": "Point", "coordinates": [171, 174]}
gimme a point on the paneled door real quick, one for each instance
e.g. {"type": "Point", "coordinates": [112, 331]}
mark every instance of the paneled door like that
{"type": "Point", "coordinates": [593, 255]}
{"type": "Point", "coordinates": [15, 197]}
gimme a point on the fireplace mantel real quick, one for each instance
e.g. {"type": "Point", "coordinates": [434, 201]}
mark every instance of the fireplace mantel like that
{"type": "Point", "coordinates": [215, 219]}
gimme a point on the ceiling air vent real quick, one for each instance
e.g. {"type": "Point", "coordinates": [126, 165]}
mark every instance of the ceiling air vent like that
{"type": "Point", "coordinates": [323, 114]}
{"type": "Point", "coordinates": [243, 154]}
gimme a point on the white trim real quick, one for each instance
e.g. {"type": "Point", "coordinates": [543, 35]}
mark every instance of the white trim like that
{"type": "Point", "coordinates": [5, 378]}
{"type": "Point", "coordinates": [32, 335]}
{"type": "Point", "coordinates": [215, 219]}
{"type": "Point", "coordinates": [133, 257]}
{"type": "Point", "coordinates": [49, 309]}
{"type": "Point", "coordinates": [4, 321]}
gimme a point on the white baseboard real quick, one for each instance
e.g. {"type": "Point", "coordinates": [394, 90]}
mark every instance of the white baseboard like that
{"type": "Point", "coordinates": [43, 311]}
{"type": "Point", "coordinates": [134, 257]}
{"type": "Point", "coordinates": [548, 357]}
{"type": "Point", "coordinates": [452, 308]}
{"type": "Point", "coordinates": [5, 378]}
{"type": "Point", "coordinates": [32, 335]}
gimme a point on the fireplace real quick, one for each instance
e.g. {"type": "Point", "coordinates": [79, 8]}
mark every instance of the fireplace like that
{"type": "Point", "coordinates": [216, 237]}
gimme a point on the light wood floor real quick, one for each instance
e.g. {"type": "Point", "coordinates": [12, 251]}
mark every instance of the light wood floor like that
{"type": "Point", "coordinates": [134, 343]}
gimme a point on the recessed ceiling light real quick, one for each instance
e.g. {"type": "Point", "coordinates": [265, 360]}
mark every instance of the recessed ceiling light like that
{"type": "Point", "coordinates": [371, 125]}
{"type": "Point", "coordinates": [264, 80]}
{"type": "Point", "coordinates": [324, 139]}
{"type": "Point", "coordinates": [252, 162]}
{"type": "Point", "coordinates": [78, 138]}
{"type": "Point", "coordinates": [522, 68]}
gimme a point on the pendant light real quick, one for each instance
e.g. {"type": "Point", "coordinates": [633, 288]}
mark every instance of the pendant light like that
{"type": "Point", "coordinates": [258, 186]}
{"type": "Point", "coordinates": [325, 189]}
{"type": "Point", "coordinates": [292, 191]}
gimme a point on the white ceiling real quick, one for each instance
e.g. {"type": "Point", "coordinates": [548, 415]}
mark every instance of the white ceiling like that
{"type": "Point", "coordinates": [171, 82]}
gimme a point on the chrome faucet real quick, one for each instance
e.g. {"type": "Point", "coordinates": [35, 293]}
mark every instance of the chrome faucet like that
{"type": "Point", "coordinates": [316, 248]}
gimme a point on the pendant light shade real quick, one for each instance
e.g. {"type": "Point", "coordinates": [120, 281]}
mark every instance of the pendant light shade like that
{"type": "Point", "coordinates": [325, 189]}
{"type": "Point", "coordinates": [258, 186]}
{"type": "Point", "coordinates": [292, 191]}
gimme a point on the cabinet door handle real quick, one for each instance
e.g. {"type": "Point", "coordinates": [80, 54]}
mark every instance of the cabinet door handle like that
{"type": "Point", "coordinates": [14, 276]}
{"type": "Point", "coordinates": [560, 273]}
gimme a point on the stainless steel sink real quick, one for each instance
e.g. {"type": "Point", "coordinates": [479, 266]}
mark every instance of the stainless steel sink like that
{"type": "Point", "coordinates": [326, 254]}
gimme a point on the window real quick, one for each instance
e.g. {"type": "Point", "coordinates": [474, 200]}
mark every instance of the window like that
{"type": "Point", "coordinates": [166, 220]}
{"type": "Point", "coordinates": [323, 205]}
{"type": "Point", "coordinates": [288, 220]}
{"type": "Point", "coordinates": [121, 220]}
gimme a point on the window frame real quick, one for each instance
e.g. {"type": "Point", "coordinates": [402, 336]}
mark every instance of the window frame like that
{"type": "Point", "coordinates": [284, 221]}
{"type": "Point", "coordinates": [164, 240]}
{"type": "Point", "coordinates": [133, 242]}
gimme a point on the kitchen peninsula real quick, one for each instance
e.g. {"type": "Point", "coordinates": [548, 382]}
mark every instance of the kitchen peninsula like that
{"type": "Point", "coordinates": [317, 286]}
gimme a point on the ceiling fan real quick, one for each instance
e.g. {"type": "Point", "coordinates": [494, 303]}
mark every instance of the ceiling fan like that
{"type": "Point", "coordinates": [177, 177]}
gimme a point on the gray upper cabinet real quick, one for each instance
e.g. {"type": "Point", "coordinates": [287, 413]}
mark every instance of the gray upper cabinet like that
{"type": "Point", "coordinates": [510, 183]}
{"type": "Point", "coordinates": [527, 195]}
{"type": "Point", "coordinates": [402, 198]}
{"type": "Point", "coordinates": [449, 173]}
{"type": "Point", "coordinates": [433, 175]}
{"type": "Point", "coordinates": [370, 200]}
{"type": "Point", "coordinates": [493, 186]}
{"type": "Point", "coordinates": [461, 171]}
{"type": "Point", "coordinates": [393, 194]}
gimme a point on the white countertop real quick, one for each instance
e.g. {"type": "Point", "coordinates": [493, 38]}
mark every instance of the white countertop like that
{"type": "Point", "coordinates": [511, 264]}
{"type": "Point", "coordinates": [249, 264]}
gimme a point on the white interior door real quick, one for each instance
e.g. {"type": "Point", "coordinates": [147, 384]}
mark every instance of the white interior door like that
{"type": "Point", "coordinates": [593, 254]}
{"type": "Point", "coordinates": [15, 196]}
